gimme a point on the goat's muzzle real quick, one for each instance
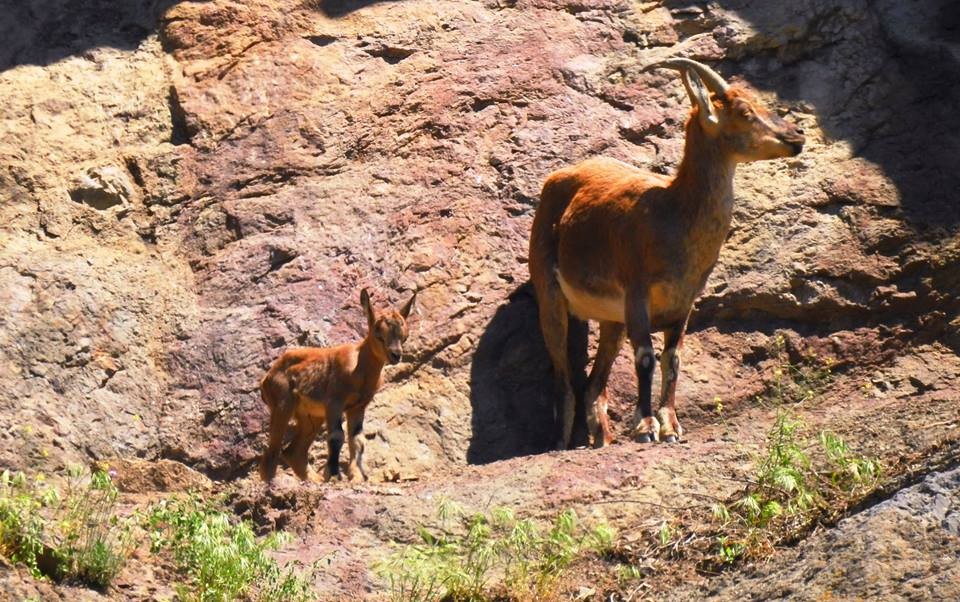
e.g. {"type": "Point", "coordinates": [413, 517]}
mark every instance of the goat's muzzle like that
{"type": "Point", "coordinates": [795, 140]}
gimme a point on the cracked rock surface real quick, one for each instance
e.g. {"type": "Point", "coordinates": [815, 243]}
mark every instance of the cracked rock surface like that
{"type": "Point", "coordinates": [187, 188]}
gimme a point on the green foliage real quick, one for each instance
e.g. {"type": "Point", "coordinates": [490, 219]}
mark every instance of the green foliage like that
{"type": "Point", "coordinates": [796, 481]}
{"type": "Point", "coordinates": [527, 560]}
{"type": "Point", "coordinates": [796, 382]}
{"type": "Point", "coordinates": [665, 534]}
{"type": "Point", "coordinates": [627, 573]}
{"type": "Point", "coordinates": [848, 472]}
{"type": "Point", "coordinates": [223, 558]}
{"type": "Point", "coordinates": [728, 552]}
{"type": "Point", "coordinates": [70, 535]}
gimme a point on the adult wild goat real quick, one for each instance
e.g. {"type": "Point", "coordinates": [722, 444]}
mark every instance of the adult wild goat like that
{"type": "Point", "coordinates": [633, 249]}
{"type": "Point", "coordinates": [317, 386]}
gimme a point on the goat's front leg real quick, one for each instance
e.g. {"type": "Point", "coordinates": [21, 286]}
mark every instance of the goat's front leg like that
{"type": "Point", "coordinates": [670, 430]}
{"type": "Point", "coordinates": [334, 441]}
{"type": "Point", "coordinates": [637, 312]}
{"type": "Point", "coordinates": [355, 442]}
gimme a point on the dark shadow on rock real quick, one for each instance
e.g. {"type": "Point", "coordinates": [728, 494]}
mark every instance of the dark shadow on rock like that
{"type": "Point", "coordinates": [883, 75]}
{"type": "Point", "coordinates": [41, 32]}
{"type": "Point", "coordinates": [340, 8]}
{"type": "Point", "coordinates": [512, 389]}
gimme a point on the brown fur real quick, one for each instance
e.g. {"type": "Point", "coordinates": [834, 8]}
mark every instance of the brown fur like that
{"type": "Point", "coordinates": [318, 386]}
{"type": "Point", "coordinates": [641, 244]}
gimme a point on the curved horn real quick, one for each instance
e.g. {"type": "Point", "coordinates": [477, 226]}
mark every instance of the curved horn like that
{"type": "Point", "coordinates": [710, 78]}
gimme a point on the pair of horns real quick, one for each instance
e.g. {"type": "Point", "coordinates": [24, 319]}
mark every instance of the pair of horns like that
{"type": "Point", "coordinates": [710, 78]}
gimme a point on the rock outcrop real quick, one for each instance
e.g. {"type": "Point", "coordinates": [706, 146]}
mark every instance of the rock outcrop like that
{"type": "Point", "coordinates": [187, 188]}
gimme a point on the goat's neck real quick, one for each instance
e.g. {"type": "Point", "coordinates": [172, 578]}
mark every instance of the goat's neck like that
{"type": "Point", "coordinates": [704, 183]}
{"type": "Point", "coordinates": [369, 362]}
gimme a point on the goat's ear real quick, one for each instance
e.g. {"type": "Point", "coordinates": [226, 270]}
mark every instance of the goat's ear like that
{"type": "Point", "coordinates": [405, 310]}
{"type": "Point", "coordinates": [700, 96]}
{"type": "Point", "coordinates": [367, 308]}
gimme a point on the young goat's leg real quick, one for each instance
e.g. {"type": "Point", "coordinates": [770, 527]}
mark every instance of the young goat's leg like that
{"type": "Point", "coordinates": [355, 443]}
{"type": "Point", "coordinates": [297, 453]}
{"type": "Point", "coordinates": [638, 329]}
{"type": "Point", "coordinates": [670, 430]}
{"type": "Point", "coordinates": [334, 441]}
{"type": "Point", "coordinates": [611, 339]}
{"type": "Point", "coordinates": [277, 393]}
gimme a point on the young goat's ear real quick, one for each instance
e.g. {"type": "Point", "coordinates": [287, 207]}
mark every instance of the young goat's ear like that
{"type": "Point", "coordinates": [405, 310]}
{"type": "Point", "coordinates": [367, 308]}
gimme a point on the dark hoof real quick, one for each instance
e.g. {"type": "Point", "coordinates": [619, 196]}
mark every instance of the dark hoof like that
{"type": "Point", "coordinates": [671, 439]}
{"type": "Point", "coordinates": [645, 438]}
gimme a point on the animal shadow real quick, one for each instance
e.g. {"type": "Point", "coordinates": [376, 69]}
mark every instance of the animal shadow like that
{"type": "Point", "coordinates": [512, 389]}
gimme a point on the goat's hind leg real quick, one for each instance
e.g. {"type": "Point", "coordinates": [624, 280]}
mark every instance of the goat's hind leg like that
{"type": "Point", "coordinates": [297, 453]}
{"type": "Point", "coordinates": [276, 392]}
{"type": "Point", "coordinates": [554, 322]}
{"type": "Point", "coordinates": [595, 398]}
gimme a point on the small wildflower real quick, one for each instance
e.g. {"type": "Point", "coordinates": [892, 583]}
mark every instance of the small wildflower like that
{"type": "Point", "coordinates": [27, 429]}
{"type": "Point", "coordinates": [40, 477]}
{"type": "Point", "coordinates": [112, 473]}
{"type": "Point", "coordinates": [44, 452]}
{"type": "Point", "coordinates": [778, 372]}
{"type": "Point", "coordinates": [718, 403]}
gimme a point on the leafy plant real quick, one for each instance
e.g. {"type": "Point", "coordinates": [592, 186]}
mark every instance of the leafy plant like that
{"type": "Point", "coordinates": [528, 560]}
{"type": "Point", "coordinates": [847, 472]}
{"type": "Point", "coordinates": [796, 482]}
{"type": "Point", "coordinates": [729, 553]}
{"type": "Point", "coordinates": [73, 535]}
{"type": "Point", "coordinates": [796, 382]}
{"type": "Point", "coordinates": [223, 558]}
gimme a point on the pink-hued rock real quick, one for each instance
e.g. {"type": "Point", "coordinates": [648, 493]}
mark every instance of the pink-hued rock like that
{"type": "Point", "coordinates": [187, 188]}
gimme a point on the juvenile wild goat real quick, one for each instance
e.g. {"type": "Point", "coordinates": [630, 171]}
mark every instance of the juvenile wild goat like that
{"type": "Point", "coordinates": [317, 386]}
{"type": "Point", "coordinates": [633, 249]}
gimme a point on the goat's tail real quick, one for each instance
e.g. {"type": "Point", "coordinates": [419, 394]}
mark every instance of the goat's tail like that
{"type": "Point", "coordinates": [557, 193]}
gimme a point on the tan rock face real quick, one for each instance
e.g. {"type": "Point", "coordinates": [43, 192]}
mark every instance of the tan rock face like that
{"type": "Point", "coordinates": [184, 197]}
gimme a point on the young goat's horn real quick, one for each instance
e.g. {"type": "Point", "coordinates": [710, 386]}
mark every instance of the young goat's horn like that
{"type": "Point", "coordinates": [710, 78]}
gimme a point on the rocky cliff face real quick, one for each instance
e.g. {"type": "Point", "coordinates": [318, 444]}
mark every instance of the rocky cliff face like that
{"type": "Point", "coordinates": [184, 202]}
{"type": "Point", "coordinates": [188, 188]}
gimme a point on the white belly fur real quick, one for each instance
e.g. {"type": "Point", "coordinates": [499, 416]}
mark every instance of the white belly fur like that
{"type": "Point", "coordinates": [588, 306]}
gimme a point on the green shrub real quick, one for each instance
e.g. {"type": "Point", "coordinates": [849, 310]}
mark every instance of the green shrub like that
{"type": "Point", "coordinates": [70, 535]}
{"type": "Point", "coordinates": [797, 480]}
{"type": "Point", "coordinates": [494, 553]}
{"type": "Point", "coordinates": [222, 558]}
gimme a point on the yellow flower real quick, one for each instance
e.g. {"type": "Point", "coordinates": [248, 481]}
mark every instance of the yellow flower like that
{"type": "Point", "coordinates": [40, 477]}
